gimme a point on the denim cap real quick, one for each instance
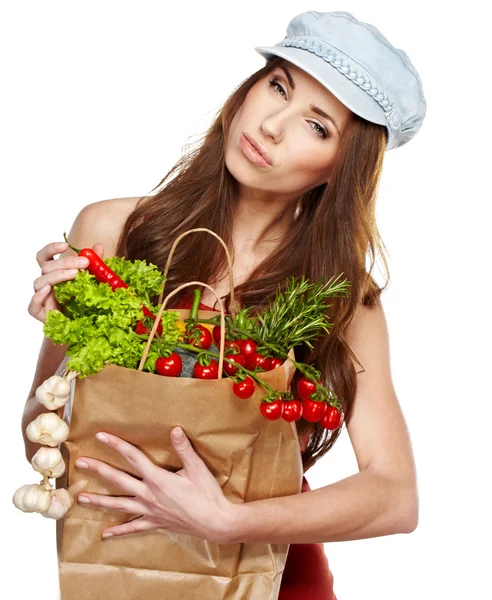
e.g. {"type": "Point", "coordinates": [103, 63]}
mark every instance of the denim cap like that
{"type": "Point", "coordinates": [359, 66]}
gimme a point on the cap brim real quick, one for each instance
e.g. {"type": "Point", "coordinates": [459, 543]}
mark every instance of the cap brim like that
{"type": "Point", "coordinates": [355, 98]}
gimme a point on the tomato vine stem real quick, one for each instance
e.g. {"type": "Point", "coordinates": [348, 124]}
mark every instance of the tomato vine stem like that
{"type": "Point", "coordinates": [252, 374]}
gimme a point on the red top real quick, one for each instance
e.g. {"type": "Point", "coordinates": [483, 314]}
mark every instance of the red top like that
{"type": "Point", "coordinates": [307, 575]}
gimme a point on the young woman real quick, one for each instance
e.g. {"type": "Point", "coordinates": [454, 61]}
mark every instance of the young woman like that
{"type": "Point", "coordinates": [287, 175]}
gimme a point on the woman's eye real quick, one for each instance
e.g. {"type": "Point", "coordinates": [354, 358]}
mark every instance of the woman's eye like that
{"type": "Point", "coordinates": [278, 88]}
{"type": "Point", "coordinates": [321, 131]}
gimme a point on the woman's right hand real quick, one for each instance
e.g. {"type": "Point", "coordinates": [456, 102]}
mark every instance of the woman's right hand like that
{"type": "Point", "coordinates": [55, 271]}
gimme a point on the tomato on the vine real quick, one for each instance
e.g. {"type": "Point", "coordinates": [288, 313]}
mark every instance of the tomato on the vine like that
{"type": "Point", "coordinates": [145, 326]}
{"type": "Point", "coordinates": [233, 344]}
{"type": "Point", "coordinates": [247, 347]}
{"type": "Point", "coordinates": [170, 366]}
{"type": "Point", "coordinates": [272, 410]}
{"type": "Point", "coordinates": [204, 340]}
{"type": "Point", "coordinates": [236, 358]}
{"type": "Point", "coordinates": [305, 387]}
{"type": "Point", "coordinates": [210, 371]}
{"type": "Point", "coordinates": [245, 388]}
{"type": "Point", "coordinates": [216, 332]}
{"type": "Point", "coordinates": [332, 419]}
{"type": "Point", "coordinates": [313, 410]}
{"type": "Point", "coordinates": [257, 360]}
{"type": "Point", "coordinates": [292, 410]}
{"type": "Point", "coordinates": [276, 362]}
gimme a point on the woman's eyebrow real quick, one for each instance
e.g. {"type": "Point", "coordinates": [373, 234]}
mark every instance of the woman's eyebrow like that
{"type": "Point", "coordinates": [314, 108]}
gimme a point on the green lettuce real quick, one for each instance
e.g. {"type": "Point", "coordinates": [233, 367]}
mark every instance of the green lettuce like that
{"type": "Point", "coordinates": [96, 323]}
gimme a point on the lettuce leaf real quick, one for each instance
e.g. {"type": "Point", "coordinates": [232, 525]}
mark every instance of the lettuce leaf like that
{"type": "Point", "coordinates": [145, 278]}
{"type": "Point", "coordinates": [97, 323]}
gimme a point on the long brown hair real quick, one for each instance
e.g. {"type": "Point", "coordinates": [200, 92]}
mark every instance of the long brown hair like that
{"type": "Point", "coordinates": [334, 231]}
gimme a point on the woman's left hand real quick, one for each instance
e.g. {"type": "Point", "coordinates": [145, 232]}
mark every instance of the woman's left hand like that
{"type": "Point", "coordinates": [189, 501]}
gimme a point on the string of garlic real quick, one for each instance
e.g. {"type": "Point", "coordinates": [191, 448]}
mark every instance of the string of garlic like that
{"type": "Point", "coordinates": [48, 429]}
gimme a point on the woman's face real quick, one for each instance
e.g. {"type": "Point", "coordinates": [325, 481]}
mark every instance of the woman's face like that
{"type": "Point", "coordinates": [302, 144]}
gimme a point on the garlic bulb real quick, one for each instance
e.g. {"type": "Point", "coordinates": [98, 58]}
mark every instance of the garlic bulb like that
{"type": "Point", "coordinates": [49, 462]}
{"type": "Point", "coordinates": [47, 429]}
{"type": "Point", "coordinates": [61, 501]}
{"type": "Point", "coordinates": [54, 392]}
{"type": "Point", "coordinates": [32, 498]}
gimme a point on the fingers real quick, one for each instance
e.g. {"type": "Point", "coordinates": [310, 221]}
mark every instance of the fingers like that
{"type": "Point", "coordinates": [36, 307]}
{"type": "Point", "coordinates": [132, 454]}
{"type": "Point", "coordinates": [192, 463]}
{"type": "Point", "coordinates": [55, 271]}
{"type": "Point", "coordinates": [53, 278]}
{"type": "Point", "coordinates": [67, 262]}
{"type": "Point", "coordinates": [120, 503]}
{"type": "Point", "coordinates": [122, 480]}
{"type": "Point", "coordinates": [99, 249]}
{"type": "Point", "coordinates": [138, 524]}
{"type": "Point", "coordinates": [49, 251]}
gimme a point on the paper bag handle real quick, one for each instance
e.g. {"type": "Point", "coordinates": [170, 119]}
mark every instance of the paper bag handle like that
{"type": "Point", "coordinates": [157, 320]}
{"type": "Point", "coordinates": [234, 308]}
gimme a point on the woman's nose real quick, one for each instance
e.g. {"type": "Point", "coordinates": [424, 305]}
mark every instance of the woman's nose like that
{"type": "Point", "coordinates": [271, 128]}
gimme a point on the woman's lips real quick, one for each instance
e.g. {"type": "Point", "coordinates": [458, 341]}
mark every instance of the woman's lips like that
{"type": "Point", "coordinates": [252, 153]}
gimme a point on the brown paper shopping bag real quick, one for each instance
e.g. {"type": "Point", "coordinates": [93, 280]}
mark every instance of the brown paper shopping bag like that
{"type": "Point", "coordinates": [250, 457]}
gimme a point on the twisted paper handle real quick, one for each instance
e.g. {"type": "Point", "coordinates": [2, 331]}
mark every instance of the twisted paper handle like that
{"type": "Point", "coordinates": [234, 307]}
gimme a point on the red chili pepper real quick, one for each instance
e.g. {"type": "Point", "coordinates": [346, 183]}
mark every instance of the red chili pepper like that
{"type": "Point", "coordinates": [104, 274]}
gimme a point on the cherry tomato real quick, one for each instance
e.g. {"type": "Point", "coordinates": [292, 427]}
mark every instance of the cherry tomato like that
{"type": "Point", "coordinates": [210, 371]}
{"type": "Point", "coordinates": [305, 387]}
{"type": "Point", "coordinates": [292, 410]}
{"type": "Point", "coordinates": [145, 325]}
{"type": "Point", "coordinates": [257, 360]}
{"type": "Point", "coordinates": [170, 366]}
{"type": "Point", "coordinates": [276, 362]}
{"type": "Point", "coordinates": [332, 419]}
{"type": "Point", "coordinates": [272, 410]}
{"type": "Point", "coordinates": [253, 360]}
{"type": "Point", "coordinates": [238, 359]}
{"type": "Point", "coordinates": [205, 340]}
{"type": "Point", "coordinates": [232, 344]}
{"type": "Point", "coordinates": [312, 410]}
{"type": "Point", "coordinates": [248, 347]}
{"type": "Point", "coordinates": [244, 389]}
{"type": "Point", "coordinates": [239, 344]}
{"type": "Point", "coordinates": [217, 330]}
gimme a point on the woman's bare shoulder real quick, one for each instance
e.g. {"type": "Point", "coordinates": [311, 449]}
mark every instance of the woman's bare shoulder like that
{"type": "Point", "coordinates": [105, 220]}
{"type": "Point", "coordinates": [115, 209]}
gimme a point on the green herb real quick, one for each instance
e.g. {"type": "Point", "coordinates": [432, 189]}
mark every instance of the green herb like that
{"type": "Point", "coordinates": [297, 314]}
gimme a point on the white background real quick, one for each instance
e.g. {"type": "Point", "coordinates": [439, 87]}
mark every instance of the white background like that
{"type": "Point", "coordinates": [98, 100]}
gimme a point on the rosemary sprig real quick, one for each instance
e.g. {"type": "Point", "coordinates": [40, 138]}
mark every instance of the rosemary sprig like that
{"type": "Point", "coordinates": [298, 313]}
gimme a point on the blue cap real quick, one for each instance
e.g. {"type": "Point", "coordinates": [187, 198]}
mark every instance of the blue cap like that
{"type": "Point", "coordinates": [359, 66]}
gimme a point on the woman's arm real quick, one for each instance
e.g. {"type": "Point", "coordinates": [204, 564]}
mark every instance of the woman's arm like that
{"type": "Point", "coordinates": [382, 498]}
{"type": "Point", "coordinates": [99, 222]}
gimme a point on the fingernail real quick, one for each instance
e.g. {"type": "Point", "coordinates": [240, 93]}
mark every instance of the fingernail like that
{"type": "Point", "coordinates": [106, 535]}
{"type": "Point", "coordinates": [178, 434]}
{"type": "Point", "coordinates": [61, 244]}
{"type": "Point", "coordinates": [102, 438]}
{"type": "Point", "coordinates": [84, 500]}
{"type": "Point", "coordinates": [81, 464]}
